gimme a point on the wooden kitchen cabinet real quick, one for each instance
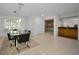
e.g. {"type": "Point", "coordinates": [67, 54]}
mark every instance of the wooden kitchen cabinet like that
{"type": "Point", "coordinates": [69, 32]}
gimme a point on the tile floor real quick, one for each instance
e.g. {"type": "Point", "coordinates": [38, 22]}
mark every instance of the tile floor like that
{"type": "Point", "coordinates": [50, 45]}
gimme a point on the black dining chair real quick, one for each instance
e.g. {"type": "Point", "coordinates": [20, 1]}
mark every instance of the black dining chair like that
{"type": "Point", "coordinates": [23, 38]}
{"type": "Point", "coordinates": [10, 38]}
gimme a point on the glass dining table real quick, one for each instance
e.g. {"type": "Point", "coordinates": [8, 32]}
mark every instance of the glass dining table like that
{"type": "Point", "coordinates": [15, 34]}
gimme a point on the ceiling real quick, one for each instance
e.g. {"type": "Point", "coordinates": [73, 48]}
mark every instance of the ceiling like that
{"type": "Point", "coordinates": [40, 8]}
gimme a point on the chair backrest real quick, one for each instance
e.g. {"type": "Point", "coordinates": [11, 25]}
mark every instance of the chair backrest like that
{"type": "Point", "coordinates": [29, 31]}
{"type": "Point", "coordinates": [23, 38]}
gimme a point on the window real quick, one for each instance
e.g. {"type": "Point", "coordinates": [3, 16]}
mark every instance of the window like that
{"type": "Point", "coordinates": [12, 23]}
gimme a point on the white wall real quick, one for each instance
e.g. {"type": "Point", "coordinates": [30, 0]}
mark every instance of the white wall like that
{"type": "Point", "coordinates": [24, 22]}
{"type": "Point", "coordinates": [70, 21]}
{"type": "Point", "coordinates": [57, 23]}
{"type": "Point", "coordinates": [36, 25]}
{"type": "Point", "coordinates": [31, 24]}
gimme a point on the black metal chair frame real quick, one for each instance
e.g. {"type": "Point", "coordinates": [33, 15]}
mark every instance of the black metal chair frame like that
{"type": "Point", "coordinates": [23, 38]}
{"type": "Point", "coordinates": [10, 38]}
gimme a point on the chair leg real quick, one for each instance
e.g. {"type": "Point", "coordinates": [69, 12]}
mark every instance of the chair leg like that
{"type": "Point", "coordinates": [17, 49]}
{"type": "Point", "coordinates": [10, 43]}
{"type": "Point", "coordinates": [27, 45]}
{"type": "Point", "coordinates": [16, 44]}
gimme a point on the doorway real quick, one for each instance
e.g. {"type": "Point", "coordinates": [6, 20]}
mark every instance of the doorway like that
{"type": "Point", "coordinates": [49, 26]}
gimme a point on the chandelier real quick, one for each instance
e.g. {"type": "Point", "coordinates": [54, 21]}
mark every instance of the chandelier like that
{"type": "Point", "coordinates": [18, 11]}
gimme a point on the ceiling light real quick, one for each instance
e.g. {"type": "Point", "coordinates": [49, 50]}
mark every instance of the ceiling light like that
{"type": "Point", "coordinates": [20, 5]}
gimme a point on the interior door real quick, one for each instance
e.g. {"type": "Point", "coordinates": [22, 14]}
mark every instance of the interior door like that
{"type": "Point", "coordinates": [49, 25]}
